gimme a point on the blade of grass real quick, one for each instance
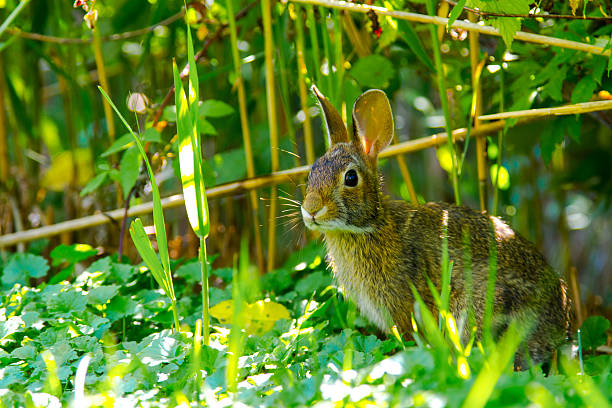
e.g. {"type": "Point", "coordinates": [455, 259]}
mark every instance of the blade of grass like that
{"type": "Point", "coordinates": [496, 364]}
{"type": "Point", "coordinates": [158, 214]}
{"type": "Point", "coordinates": [490, 294]}
{"type": "Point", "coordinates": [413, 41]}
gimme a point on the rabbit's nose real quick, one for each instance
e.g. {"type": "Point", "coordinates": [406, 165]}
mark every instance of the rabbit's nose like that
{"type": "Point", "coordinates": [313, 215]}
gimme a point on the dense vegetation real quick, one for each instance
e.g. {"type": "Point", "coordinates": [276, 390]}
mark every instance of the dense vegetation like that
{"type": "Point", "coordinates": [82, 322]}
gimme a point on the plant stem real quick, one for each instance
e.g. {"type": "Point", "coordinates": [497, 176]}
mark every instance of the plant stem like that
{"type": "Point", "coordinates": [177, 325]}
{"type": "Point", "coordinates": [271, 97]}
{"type": "Point", "coordinates": [444, 100]}
{"type": "Point", "coordinates": [314, 44]}
{"type": "Point", "coordinates": [205, 307]}
{"type": "Point", "coordinates": [301, 67]}
{"type": "Point", "coordinates": [500, 144]}
{"type": "Point", "coordinates": [108, 113]}
{"type": "Point", "coordinates": [13, 15]}
{"type": "Point", "coordinates": [481, 141]}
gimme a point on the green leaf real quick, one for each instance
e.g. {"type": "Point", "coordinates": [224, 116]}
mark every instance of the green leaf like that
{"type": "Point", "coordinates": [593, 332]}
{"type": "Point", "coordinates": [102, 294]}
{"type": "Point", "coordinates": [71, 254]}
{"type": "Point", "coordinates": [373, 71]}
{"type": "Point", "coordinates": [158, 213]}
{"type": "Point", "coordinates": [130, 168]}
{"type": "Point", "coordinates": [215, 109]}
{"type": "Point", "coordinates": [23, 266]}
{"type": "Point", "coordinates": [119, 144]}
{"type": "Point", "coordinates": [407, 33]}
{"type": "Point", "coordinates": [10, 326]}
{"type": "Point", "coordinates": [507, 27]}
{"type": "Point", "coordinates": [551, 136]}
{"type": "Point", "coordinates": [584, 89]}
{"type": "Point", "coordinates": [455, 13]}
{"type": "Point", "coordinates": [191, 271]}
{"type": "Point", "coordinates": [145, 249]}
{"type": "Point", "coordinates": [314, 281]}
{"type": "Point", "coordinates": [206, 128]}
{"type": "Point", "coordinates": [126, 141]}
{"type": "Point", "coordinates": [190, 159]}
{"type": "Point", "coordinates": [94, 184]}
{"type": "Point", "coordinates": [229, 166]}
{"type": "Point", "coordinates": [503, 177]}
{"type": "Point", "coordinates": [554, 86]}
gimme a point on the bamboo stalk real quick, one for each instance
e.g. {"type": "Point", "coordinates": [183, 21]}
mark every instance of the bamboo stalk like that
{"type": "Point", "coordinates": [406, 174]}
{"type": "Point", "coordinates": [108, 113]}
{"type": "Point", "coordinates": [284, 88]}
{"type": "Point", "coordinates": [481, 151]}
{"type": "Point", "coordinates": [271, 96]}
{"type": "Point", "coordinates": [289, 175]}
{"type": "Point", "coordinates": [574, 109]}
{"type": "Point", "coordinates": [4, 159]}
{"type": "Point", "coordinates": [500, 145]}
{"type": "Point", "coordinates": [301, 68]}
{"type": "Point", "coordinates": [246, 134]}
{"type": "Point", "coordinates": [228, 189]}
{"type": "Point", "coordinates": [483, 29]}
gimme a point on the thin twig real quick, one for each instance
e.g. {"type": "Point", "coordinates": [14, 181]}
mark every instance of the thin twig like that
{"type": "Point", "coordinates": [483, 29]}
{"type": "Point", "coordinates": [228, 189]}
{"type": "Point", "coordinates": [577, 108]}
{"type": "Point", "coordinates": [557, 16]}
{"type": "Point", "coordinates": [113, 37]}
{"type": "Point", "coordinates": [284, 176]}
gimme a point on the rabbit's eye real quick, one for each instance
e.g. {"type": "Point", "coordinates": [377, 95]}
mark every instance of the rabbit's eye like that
{"type": "Point", "coordinates": [350, 178]}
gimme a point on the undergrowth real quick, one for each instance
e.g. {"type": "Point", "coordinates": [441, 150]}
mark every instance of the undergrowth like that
{"type": "Point", "coordinates": [113, 321]}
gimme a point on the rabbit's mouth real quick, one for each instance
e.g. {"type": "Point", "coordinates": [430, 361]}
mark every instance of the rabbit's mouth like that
{"type": "Point", "coordinates": [317, 222]}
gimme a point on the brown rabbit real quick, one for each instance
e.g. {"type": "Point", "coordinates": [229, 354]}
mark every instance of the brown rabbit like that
{"type": "Point", "coordinates": [378, 247]}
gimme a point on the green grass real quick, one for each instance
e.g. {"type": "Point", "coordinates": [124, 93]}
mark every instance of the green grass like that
{"type": "Point", "coordinates": [312, 358]}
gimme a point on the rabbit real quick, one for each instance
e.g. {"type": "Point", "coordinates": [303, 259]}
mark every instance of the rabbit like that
{"type": "Point", "coordinates": [378, 247]}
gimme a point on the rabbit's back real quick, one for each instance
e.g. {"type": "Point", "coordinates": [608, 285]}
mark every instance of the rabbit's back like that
{"type": "Point", "coordinates": [526, 287]}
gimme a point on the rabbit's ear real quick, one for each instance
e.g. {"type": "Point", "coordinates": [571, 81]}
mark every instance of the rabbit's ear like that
{"type": "Point", "coordinates": [336, 131]}
{"type": "Point", "coordinates": [373, 121]}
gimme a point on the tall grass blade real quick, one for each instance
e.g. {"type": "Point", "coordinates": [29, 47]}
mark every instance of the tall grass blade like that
{"type": "Point", "coordinates": [490, 295]}
{"type": "Point", "coordinates": [496, 364]}
{"type": "Point", "coordinates": [165, 280]}
{"type": "Point", "coordinates": [407, 33]}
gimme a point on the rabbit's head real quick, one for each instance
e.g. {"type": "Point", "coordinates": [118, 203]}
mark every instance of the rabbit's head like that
{"type": "Point", "coordinates": [343, 192]}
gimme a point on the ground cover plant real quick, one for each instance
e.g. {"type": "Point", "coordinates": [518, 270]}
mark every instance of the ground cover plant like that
{"type": "Point", "coordinates": [256, 323]}
{"type": "Point", "coordinates": [109, 328]}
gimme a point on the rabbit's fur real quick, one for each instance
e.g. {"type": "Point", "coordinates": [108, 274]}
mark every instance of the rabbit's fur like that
{"type": "Point", "coordinates": [378, 247]}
